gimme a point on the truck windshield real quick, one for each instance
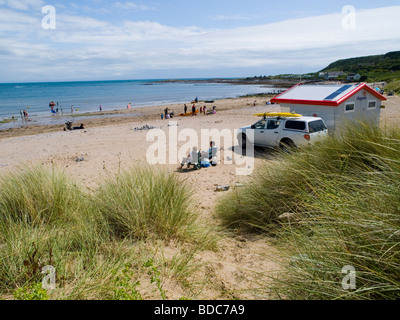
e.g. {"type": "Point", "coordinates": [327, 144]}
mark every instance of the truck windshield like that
{"type": "Point", "coordinates": [316, 126]}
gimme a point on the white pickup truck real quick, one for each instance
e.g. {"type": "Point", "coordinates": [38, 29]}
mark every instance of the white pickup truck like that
{"type": "Point", "coordinates": [283, 132]}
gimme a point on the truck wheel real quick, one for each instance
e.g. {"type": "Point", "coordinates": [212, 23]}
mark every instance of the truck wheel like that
{"type": "Point", "coordinates": [287, 145]}
{"type": "Point", "coordinates": [243, 141]}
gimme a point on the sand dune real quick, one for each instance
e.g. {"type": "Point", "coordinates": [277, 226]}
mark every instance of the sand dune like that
{"type": "Point", "coordinates": [110, 144]}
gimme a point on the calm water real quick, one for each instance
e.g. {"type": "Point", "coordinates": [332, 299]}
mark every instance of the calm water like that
{"type": "Point", "coordinates": [111, 95]}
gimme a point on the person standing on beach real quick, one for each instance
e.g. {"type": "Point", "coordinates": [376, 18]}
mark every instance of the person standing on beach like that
{"type": "Point", "coordinates": [201, 110]}
{"type": "Point", "coordinates": [101, 109]}
{"type": "Point", "coordinates": [72, 109]}
{"type": "Point", "coordinates": [193, 110]}
{"type": "Point", "coordinates": [185, 109]}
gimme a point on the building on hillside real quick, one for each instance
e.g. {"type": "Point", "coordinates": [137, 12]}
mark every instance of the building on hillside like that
{"type": "Point", "coordinates": [333, 75]}
{"type": "Point", "coordinates": [336, 104]}
{"type": "Point", "coordinates": [354, 77]}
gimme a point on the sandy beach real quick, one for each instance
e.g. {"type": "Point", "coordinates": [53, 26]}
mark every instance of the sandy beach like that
{"type": "Point", "coordinates": [108, 145]}
{"type": "Point", "coordinates": [114, 141]}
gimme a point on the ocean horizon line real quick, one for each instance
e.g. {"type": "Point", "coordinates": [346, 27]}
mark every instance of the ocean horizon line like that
{"type": "Point", "coordinates": [123, 80]}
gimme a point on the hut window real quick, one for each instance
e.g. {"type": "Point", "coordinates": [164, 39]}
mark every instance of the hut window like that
{"type": "Point", "coordinates": [371, 104]}
{"type": "Point", "coordinates": [350, 107]}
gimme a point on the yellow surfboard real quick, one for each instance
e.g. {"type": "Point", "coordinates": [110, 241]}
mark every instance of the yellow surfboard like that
{"type": "Point", "coordinates": [278, 114]}
{"type": "Point", "coordinates": [188, 114]}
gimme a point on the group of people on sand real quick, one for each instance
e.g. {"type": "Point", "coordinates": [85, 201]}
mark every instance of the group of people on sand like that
{"type": "Point", "coordinates": [203, 110]}
{"type": "Point", "coordinates": [201, 158]}
{"type": "Point", "coordinates": [167, 114]}
{"type": "Point", "coordinates": [213, 111]}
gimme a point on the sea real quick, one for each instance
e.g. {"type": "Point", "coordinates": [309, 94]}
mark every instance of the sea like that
{"type": "Point", "coordinates": [87, 97]}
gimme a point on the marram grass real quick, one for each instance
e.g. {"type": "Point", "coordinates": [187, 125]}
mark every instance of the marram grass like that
{"type": "Point", "coordinates": [38, 196]}
{"type": "Point", "coordinates": [144, 202]}
{"type": "Point", "coordinates": [331, 206]}
{"type": "Point", "coordinates": [47, 219]}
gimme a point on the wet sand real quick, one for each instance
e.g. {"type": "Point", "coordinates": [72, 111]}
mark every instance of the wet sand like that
{"type": "Point", "coordinates": [123, 116]}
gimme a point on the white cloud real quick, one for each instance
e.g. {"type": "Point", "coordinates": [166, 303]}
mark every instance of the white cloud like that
{"type": "Point", "coordinates": [377, 31]}
{"type": "Point", "coordinates": [153, 31]}
{"type": "Point", "coordinates": [131, 6]}
{"type": "Point", "coordinates": [87, 47]}
{"type": "Point", "coordinates": [308, 33]}
{"type": "Point", "coordinates": [17, 25]}
{"type": "Point", "coordinates": [221, 17]}
{"type": "Point", "coordinates": [23, 4]}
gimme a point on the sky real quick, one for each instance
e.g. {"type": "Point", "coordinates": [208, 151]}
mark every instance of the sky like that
{"type": "Point", "coordinates": [132, 39]}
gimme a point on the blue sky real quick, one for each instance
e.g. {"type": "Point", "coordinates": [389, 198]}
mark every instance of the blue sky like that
{"type": "Point", "coordinates": [110, 40]}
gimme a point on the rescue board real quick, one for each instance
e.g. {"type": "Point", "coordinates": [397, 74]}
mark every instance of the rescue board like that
{"type": "Point", "coordinates": [188, 114]}
{"type": "Point", "coordinates": [278, 114]}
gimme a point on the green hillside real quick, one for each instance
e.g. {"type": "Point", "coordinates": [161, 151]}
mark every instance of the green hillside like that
{"type": "Point", "coordinates": [372, 68]}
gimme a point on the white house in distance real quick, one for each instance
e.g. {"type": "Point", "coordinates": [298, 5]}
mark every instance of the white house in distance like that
{"type": "Point", "coordinates": [354, 77]}
{"type": "Point", "coordinates": [333, 103]}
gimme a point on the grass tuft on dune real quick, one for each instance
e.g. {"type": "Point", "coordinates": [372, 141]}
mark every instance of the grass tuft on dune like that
{"type": "Point", "coordinates": [100, 245]}
{"type": "Point", "coordinates": [334, 205]}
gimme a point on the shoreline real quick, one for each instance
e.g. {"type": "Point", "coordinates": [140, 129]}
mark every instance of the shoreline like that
{"type": "Point", "coordinates": [135, 114]}
{"type": "Point", "coordinates": [88, 99]}
{"type": "Point", "coordinates": [152, 113]}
